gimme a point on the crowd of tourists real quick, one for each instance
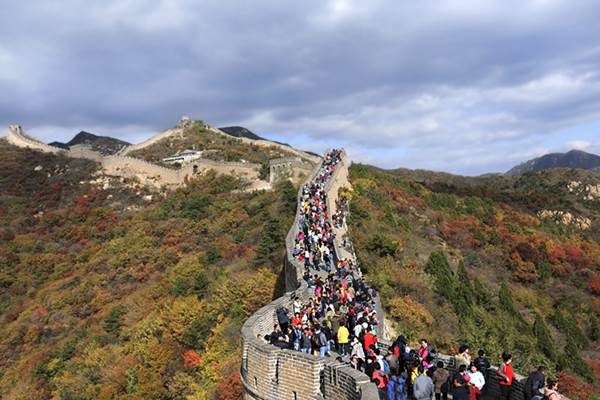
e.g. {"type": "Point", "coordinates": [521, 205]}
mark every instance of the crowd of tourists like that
{"type": "Point", "coordinates": [340, 317]}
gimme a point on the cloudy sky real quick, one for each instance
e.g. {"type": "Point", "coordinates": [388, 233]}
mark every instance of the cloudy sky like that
{"type": "Point", "coordinates": [465, 86]}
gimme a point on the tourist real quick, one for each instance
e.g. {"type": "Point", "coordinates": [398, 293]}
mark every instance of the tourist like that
{"type": "Point", "coordinates": [343, 336]}
{"type": "Point", "coordinates": [356, 363]}
{"type": "Point", "coordinates": [459, 386]}
{"type": "Point", "coordinates": [321, 341]}
{"type": "Point", "coordinates": [440, 381]}
{"type": "Point", "coordinates": [379, 377]}
{"type": "Point", "coordinates": [423, 351]}
{"type": "Point", "coordinates": [535, 383]}
{"type": "Point", "coordinates": [423, 385]}
{"type": "Point", "coordinates": [396, 389]}
{"type": "Point", "coordinates": [482, 363]}
{"type": "Point", "coordinates": [506, 374]}
{"type": "Point", "coordinates": [463, 357]}
{"type": "Point", "coordinates": [476, 382]}
{"type": "Point", "coordinates": [306, 341]}
{"type": "Point", "coordinates": [551, 391]}
{"type": "Point", "coordinates": [392, 359]}
{"type": "Point", "coordinates": [357, 349]}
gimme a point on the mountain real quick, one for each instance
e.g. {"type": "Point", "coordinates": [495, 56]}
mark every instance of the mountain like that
{"type": "Point", "coordinates": [571, 159]}
{"type": "Point", "coordinates": [239, 132]}
{"type": "Point", "coordinates": [498, 262]}
{"type": "Point", "coordinates": [103, 144]}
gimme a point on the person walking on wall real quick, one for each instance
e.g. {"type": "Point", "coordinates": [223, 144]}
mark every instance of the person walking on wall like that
{"type": "Point", "coordinates": [506, 374]}
{"type": "Point", "coordinates": [396, 387]}
{"type": "Point", "coordinates": [459, 384]}
{"type": "Point", "coordinates": [535, 383]}
{"type": "Point", "coordinates": [440, 381]}
{"type": "Point", "coordinates": [343, 337]}
{"type": "Point", "coordinates": [476, 382]}
{"type": "Point", "coordinates": [423, 385]}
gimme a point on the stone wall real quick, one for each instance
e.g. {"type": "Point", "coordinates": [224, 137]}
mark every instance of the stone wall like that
{"type": "Point", "coordinates": [270, 373]}
{"type": "Point", "coordinates": [150, 141]}
{"type": "Point", "coordinates": [267, 143]}
{"type": "Point", "coordinates": [17, 137]}
{"type": "Point", "coordinates": [248, 171]}
{"type": "Point", "coordinates": [146, 172]}
{"type": "Point", "coordinates": [185, 122]}
{"type": "Point", "coordinates": [289, 168]}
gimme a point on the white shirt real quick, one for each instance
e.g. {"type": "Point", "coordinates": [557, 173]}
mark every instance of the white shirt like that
{"type": "Point", "coordinates": [477, 379]}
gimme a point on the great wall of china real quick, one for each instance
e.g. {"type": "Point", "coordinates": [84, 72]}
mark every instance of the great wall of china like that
{"type": "Point", "coordinates": [271, 373]}
{"type": "Point", "coordinates": [161, 177]}
{"type": "Point", "coordinates": [268, 372]}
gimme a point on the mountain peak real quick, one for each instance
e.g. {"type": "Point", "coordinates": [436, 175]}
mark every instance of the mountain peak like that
{"type": "Point", "coordinates": [103, 144]}
{"type": "Point", "coordinates": [571, 159]}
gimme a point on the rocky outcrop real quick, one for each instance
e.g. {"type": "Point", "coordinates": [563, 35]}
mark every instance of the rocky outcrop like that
{"type": "Point", "coordinates": [566, 218]}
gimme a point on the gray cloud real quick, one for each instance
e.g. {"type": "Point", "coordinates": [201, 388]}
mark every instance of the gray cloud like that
{"type": "Point", "coordinates": [453, 85]}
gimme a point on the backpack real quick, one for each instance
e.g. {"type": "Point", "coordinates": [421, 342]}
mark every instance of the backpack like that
{"type": "Point", "coordinates": [322, 340]}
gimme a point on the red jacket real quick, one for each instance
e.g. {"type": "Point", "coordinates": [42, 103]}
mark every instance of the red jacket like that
{"type": "Point", "coordinates": [506, 370]}
{"type": "Point", "coordinates": [369, 339]}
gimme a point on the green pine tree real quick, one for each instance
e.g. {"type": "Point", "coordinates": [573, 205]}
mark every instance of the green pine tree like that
{"type": "Point", "coordinates": [568, 325]}
{"type": "Point", "coordinates": [506, 301]}
{"type": "Point", "coordinates": [544, 339]}
{"type": "Point", "coordinates": [464, 296]}
{"type": "Point", "coordinates": [443, 276]}
{"type": "Point", "coordinates": [572, 359]}
{"type": "Point", "coordinates": [269, 242]}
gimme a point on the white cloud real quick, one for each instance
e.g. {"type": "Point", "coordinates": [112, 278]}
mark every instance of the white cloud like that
{"type": "Point", "coordinates": [579, 144]}
{"type": "Point", "coordinates": [466, 85]}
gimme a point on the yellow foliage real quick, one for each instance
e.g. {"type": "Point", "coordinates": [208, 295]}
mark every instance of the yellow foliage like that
{"type": "Point", "coordinates": [410, 313]}
{"type": "Point", "coordinates": [180, 314]}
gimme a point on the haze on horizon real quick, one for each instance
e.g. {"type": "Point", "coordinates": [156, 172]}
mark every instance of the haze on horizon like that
{"type": "Point", "coordinates": [464, 86]}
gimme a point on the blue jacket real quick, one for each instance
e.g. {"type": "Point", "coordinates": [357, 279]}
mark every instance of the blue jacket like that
{"type": "Point", "coordinates": [396, 389]}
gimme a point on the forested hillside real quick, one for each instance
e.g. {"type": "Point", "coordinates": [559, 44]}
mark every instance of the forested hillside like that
{"type": "Point", "coordinates": [457, 262]}
{"type": "Point", "coordinates": [108, 291]}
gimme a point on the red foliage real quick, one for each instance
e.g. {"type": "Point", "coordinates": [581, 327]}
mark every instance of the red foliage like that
{"type": "Point", "coordinates": [575, 388]}
{"type": "Point", "coordinates": [403, 200]}
{"type": "Point", "coordinates": [594, 284]}
{"type": "Point", "coordinates": [556, 254]}
{"type": "Point", "coordinates": [84, 241]}
{"type": "Point", "coordinates": [191, 359]}
{"type": "Point", "coordinates": [460, 232]}
{"type": "Point", "coordinates": [41, 312]}
{"type": "Point", "coordinates": [576, 257]}
{"type": "Point", "coordinates": [230, 388]}
{"type": "Point", "coordinates": [595, 366]}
